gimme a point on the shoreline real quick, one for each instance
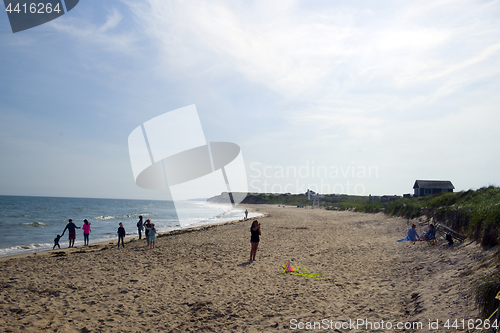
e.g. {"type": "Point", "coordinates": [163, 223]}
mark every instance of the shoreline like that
{"type": "Point", "coordinates": [102, 244]}
{"type": "Point", "coordinates": [32, 228]}
{"type": "Point", "coordinates": [203, 281]}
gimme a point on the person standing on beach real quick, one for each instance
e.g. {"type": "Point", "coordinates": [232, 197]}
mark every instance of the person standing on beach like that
{"type": "Point", "coordinates": [254, 239]}
{"type": "Point", "coordinates": [246, 214]}
{"type": "Point", "coordinates": [140, 226]}
{"type": "Point", "coordinates": [148, 229]}
{"type": "Point", "coordinates": [152, 236]}
{"type": "Point", "coordinates": [121, 235]}
{"type": "Point", "coordinates": [86, 232]}
{"type": "Point", "coordinates": [56, 242]}
{"type": "Point", "coordinates": [71, 227]}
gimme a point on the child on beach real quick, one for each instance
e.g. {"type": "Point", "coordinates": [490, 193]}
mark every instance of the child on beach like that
{"type": "Point", "coordinates": [86, 232]}
{"type": "Point", "coordinates": [254, 239]}
{"type": "Point", "coordinates": [152, 236]}
{"type": "Point", "coordinates": [147, 226]}
{"type": "Point", "coordinates": [56, 242]}
{"type": "Point", "coordinates": [121, 235]}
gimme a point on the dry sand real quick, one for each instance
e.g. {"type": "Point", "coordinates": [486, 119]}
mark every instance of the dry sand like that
{"type": "Point", "coordinates": [201, 281]}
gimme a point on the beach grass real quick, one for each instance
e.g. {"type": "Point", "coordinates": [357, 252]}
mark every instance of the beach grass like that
{"type": "Point", "coordinates": [486, 291]}
{"type": "Point", "coordinates": [475, 213]}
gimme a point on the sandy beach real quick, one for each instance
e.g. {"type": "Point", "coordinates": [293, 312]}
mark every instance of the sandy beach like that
{"type": "Point", "coordinates": [201, 280]}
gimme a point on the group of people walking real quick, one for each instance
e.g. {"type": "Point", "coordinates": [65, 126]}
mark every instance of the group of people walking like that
{"type": "Point", "coordinates": [71, 227]}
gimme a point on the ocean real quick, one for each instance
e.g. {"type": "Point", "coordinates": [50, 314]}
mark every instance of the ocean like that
{"type": "Point", "coordinates": [30, 224]}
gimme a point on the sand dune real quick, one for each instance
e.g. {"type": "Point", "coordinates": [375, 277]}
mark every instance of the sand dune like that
{"type": "Point", "coordinates": [202, 281]}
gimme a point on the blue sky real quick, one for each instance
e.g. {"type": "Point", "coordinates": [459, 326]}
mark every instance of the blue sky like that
{"type": "Point", "coordinates": [350, 97]}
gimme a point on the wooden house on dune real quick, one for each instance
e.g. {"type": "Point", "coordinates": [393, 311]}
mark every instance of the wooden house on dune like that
{"type": "Point", "coordinates": [427, 187]}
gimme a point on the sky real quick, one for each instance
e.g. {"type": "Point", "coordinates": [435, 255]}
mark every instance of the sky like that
{"type": "Point", "coordinates": [352, 97]}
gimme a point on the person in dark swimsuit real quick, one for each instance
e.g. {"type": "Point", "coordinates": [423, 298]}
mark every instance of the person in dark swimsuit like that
{"type": "Point", "coordinates": [254, 240]}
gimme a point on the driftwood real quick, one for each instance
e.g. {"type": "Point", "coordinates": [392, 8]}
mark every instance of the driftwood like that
{"type": "Point", "coordinates": [451, 232]}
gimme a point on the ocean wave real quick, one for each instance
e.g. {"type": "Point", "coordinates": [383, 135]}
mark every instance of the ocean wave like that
{"type": "Point", "coordinates": [29, 246]}
{"type": "Point", "coordinates": [18, 249]}
{"type": "Point", "coordinates": [35, 224]}
{"type": "Point", "coordinates": [115, 217]}
{"type": "Point", "coordinates": [103, 217]}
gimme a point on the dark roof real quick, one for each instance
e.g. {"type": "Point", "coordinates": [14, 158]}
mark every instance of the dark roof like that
{"type": "Point", "coordinates": [443, 184]}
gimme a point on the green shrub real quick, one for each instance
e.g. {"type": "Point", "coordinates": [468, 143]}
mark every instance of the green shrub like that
{"type": "Point", "coordinates": [485, 295]}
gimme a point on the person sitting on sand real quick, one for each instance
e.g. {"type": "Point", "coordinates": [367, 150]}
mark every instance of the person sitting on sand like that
{"type": "Point", "coordinates": [411, 236]}
{"type": "Point", "coordinates": [429, 234]}
{"type": "Point", "coordinates": [56, 242]}
{"type": "Point", "coordinates": [152, 236]}
{"type": "Point", "coordinates": [71, 227]}
{"type": "Point", "coordinates": [254, 239]}
{"type": "Point", "coordinates": [121, 235]}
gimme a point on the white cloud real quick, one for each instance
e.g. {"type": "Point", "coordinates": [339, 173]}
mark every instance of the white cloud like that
{"type": "Point", "coordinates": [313, 53]}
{"type": "Point", "coordinates": [113, 19]}
{"type": "Point", "coordinates": [105, 36]}
{"type": "Point", "coordinates": [288, 53]}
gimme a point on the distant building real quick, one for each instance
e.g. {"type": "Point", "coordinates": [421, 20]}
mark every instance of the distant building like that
{"type": "Point", "coordinates": [387, 198]}
{"type": "Point", "coordinates": [310, 192]}
{"type": "Point", "coordinates": [427, 187]}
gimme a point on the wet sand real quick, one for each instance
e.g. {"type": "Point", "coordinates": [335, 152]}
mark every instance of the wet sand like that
{"type": "Point", "coordinates": [200, 280]}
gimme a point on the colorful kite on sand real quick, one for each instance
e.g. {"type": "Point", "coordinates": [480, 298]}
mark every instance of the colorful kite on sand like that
{"type": "Point", "coordinates": [289, 269]}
